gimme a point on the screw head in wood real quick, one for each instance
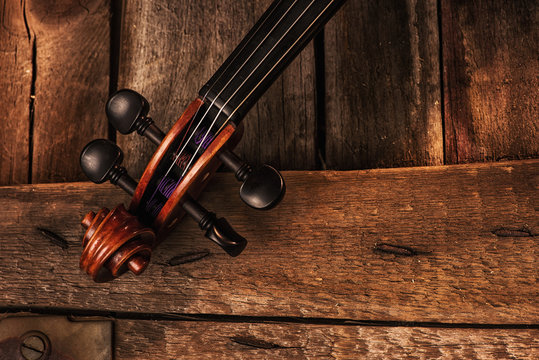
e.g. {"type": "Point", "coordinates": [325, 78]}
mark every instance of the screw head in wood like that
{"type": "Point", "coordinates": [34, 346]}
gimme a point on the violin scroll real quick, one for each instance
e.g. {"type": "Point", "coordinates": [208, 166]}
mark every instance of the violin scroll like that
{"type": "Point", "coordinates": [114, 242]}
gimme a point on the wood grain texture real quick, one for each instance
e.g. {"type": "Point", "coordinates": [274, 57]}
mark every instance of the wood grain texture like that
{"type": "Point", "coordinates": [490, 68]}
{"type": "Point", "coordinates": [72, 41]}
{"type": "Point", "coordinates": [472, 231]}
{"type": "Point", "coordinates": [383, 91]}
{"type": "Point", "coordinates": [170, 49]}
{"type": "Point", "coordinates": [15, 87]}
{"type": "Point", "coordinates": [199, 340]}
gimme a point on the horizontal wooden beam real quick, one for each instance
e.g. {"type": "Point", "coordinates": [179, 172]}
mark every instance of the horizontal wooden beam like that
{"type": "Point", "coordinates": [196, 340]}
{"type": "Point", "coordinates": [450, 244]}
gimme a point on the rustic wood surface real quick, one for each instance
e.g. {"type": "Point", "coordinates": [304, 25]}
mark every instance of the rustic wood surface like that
{"type": "Point", "coordinates": [490, 68]}
{"type": "Point", "coordinates": [168, 53]}
{"type": "Point", "coordinates": [383, 99]}
{"type": "Point", "coordinates": [210, 340]}
{"type": "Point", "coordinates": [444, 244]}
{"type": "Point", "coordinates": [72, 42]}
{"type": "Point", "coordinates": [15, 89]}
{"type": "Point", "coordinates": [417, 82]}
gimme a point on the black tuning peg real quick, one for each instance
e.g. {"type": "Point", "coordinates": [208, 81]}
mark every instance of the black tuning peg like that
{"type": "Point", "coordinates": [262, 187]}
{"type": "Point", "coordinates": [100, 161]}
{"type": "Point", "coordinates": [217, 230]}
{"type": "Point", "coordinates": [127, 111]}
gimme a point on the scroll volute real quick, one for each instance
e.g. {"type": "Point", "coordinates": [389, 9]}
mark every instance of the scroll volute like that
{"type": "Point", "coordinates": [113, 243]}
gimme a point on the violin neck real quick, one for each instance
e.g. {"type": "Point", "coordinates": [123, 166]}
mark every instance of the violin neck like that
{"type": "Point", "coordinates": [275, 40]}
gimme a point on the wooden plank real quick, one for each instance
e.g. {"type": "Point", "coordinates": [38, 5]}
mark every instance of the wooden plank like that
{"type": "Point", "coordinates": [383, 85]}
{"type": "Point", "coordinates": [330, 250]}
{"type": "Point", "coordinates": [198, 340]}
{"type": "Point", "coordinates": [169, 50]}
{"type": "Point", "coordinates": [15, 84]}
{"type": "Point", "coordinates": [72, 44]}
{"type": "Point", "coordinates": [490, 68]}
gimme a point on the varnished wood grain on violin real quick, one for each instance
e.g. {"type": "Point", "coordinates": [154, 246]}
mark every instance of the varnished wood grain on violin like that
{"type": "Point", "coordinates": [175, 131]}
{"type": "Point", "coordinates": [113, 242]}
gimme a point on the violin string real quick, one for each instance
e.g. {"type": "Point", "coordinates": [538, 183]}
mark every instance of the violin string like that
{"type": "Point", "coordinates": [226, 85]}
{"type": "Point", "coordinates": [205, 96]}
{"type": "Point", "coordinates": [273, 67]}
{"type": "Point", "coordinates": [245, 80]}
{"type": "Point", "coordinates": [251, 92]}
{"type": "Point", "coordinates": [222, 73]}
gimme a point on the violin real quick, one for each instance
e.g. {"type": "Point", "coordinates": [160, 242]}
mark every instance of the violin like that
{"type": "Point", "coordinates": [186, 157]}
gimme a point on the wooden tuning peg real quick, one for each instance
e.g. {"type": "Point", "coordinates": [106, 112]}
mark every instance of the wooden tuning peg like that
{"type": "Point", "coordinates": [262, 187]}
{"type": "Point", "coordinates": [127, 111]}
{"type": "Point", "coordinates": [217, 230]}
{"type": "Point", "coordinates": [100, 161]}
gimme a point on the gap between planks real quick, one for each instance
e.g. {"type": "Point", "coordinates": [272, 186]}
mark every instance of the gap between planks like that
{"type": "Point", "coordinates": [242, 319]}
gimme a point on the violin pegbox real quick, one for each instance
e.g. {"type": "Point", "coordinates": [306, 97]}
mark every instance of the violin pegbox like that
{"type": "Point", "coordinates": [262, 188]}
{"type": "Point", "coordinates": [120, 240]}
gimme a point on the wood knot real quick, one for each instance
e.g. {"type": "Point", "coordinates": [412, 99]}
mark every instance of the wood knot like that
{"type": "Point", "coordinates": [54, 238]}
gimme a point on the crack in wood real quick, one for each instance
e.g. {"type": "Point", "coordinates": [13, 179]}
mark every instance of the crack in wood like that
{"type": "Point", "coordinates": [31, 104]}
{"type": "Point", "coordinates": [259, 344]}
{"type": "Point", "coordinates": [187, 258]}
{"type": "Point", "coordinates": [396, 249]}
{"type": "Point", "coordinates": [25, 18]}
{"type": "Point", "coordinates": [221, 318]}
{"type": "Point", "coordinates": [320, 100]}
{"type": "Point", "coordinates": [54, 238]}
{"type": "Point", "coordinates": [441, 79]}
{"type": "Point", "coordinates": [513, 232]}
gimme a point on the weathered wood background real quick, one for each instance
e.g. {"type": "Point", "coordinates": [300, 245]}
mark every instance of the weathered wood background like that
{"type": "Point", "coordinates": [386, 84]}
